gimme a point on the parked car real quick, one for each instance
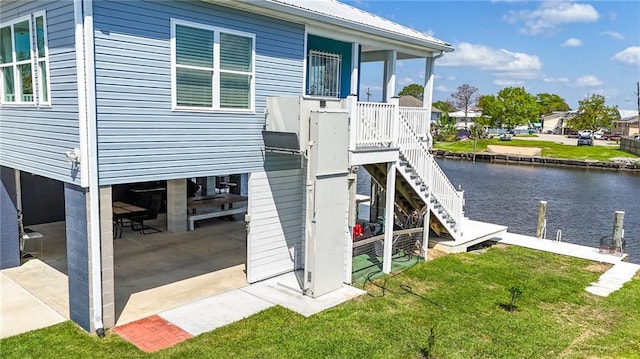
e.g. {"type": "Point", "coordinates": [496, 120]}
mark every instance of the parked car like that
{"type": "Point", "coordinates": [612, 136]}
{"type": "Point", "coordinates": [572, 134]}
{"type": "Point", "coordinates": [462, 134]}
{"type": "Point", "coordinates": [505, 137]}
{"type": "Point", "coordinates": [598, 134]}
{"type": "Point", "coordinates": [585, 141]}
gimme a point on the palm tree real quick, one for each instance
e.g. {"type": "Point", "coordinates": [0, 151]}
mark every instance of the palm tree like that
{"type": "Point", "coordinates": [475, 132]}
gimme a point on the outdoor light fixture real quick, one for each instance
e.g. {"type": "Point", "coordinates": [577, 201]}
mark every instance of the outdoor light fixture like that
{"type": "Point", "coordinates": [73, 156]}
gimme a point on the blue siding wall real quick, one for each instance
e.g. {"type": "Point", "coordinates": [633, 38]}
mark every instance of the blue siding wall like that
{"type": "Point", "coordinates": [35, 139]}
{"type": "Point", "coordinates": [9, 243]}
{"type": "Point", "coordinates": [140, 138]}
{"type": "Point", "coordinates": [337, 47]}
{"type": "Point", "coordinates": [77, 254]}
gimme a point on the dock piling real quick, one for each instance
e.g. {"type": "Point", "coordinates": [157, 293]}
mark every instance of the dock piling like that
{"type": "Point", "coordinates": [541, 232]}
{"type": "Point", "coordinates": [618, 230]}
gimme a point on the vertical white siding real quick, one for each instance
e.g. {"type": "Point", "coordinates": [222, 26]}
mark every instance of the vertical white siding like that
{"type": "Point", "coordinates": [274, 240]}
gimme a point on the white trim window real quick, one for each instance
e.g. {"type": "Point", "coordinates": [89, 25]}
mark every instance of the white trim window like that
{"type": "Point", "coordinates": [18, 57]}
{"type": "Point", "coordinates": [324, 74]}
{"type": "Point", "coordinates": [42, 59]}
{"type": "Point", "coordinates": [211, 68]}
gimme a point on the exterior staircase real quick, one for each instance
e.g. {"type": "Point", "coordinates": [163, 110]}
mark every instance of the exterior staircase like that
{"type": "Point", "coordinates": [421, 185]}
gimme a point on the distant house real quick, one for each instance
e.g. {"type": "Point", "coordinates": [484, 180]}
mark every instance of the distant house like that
{"type": "Point", "coordinates": [410, 101]}
{"type": "Point", "coordinates": [555, 122]}
{"type": "Point", "coordinates": [627, 126]}
{"type": "Point", "coordinates": [465, 122]}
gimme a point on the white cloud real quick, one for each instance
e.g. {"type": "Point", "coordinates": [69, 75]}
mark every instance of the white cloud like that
{"type": "Point", "coordinates": [613, 35]}
{"type": "Point", "coordinates": [555, 79]}
{"type": "Point", "coordinates": [551, 15]}
{"type": "Point", "coordinates": [429, 32]}
{"type": "Point", "coordinates": [508, 83]}
{"type": "Point", "coordinates": [502, 62]}
{"type": "Point", "coordinates": [406, 81]}
{"type": "Point", "coordinates": [451, 78]}
{"type": "Point", "coordinates": [628, 56]}
{"type": "Point", "coordinates": [572, 42]}
{"type": "Point", "coordinates": [442, 88]}
{"type": "Point", "coordinates": [588, 81]}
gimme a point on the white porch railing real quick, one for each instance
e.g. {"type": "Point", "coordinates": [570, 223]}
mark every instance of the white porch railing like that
{"type": "Point", "coordinates": [374, 124]}
{"type": "Point", "coordinates": [418, 119]}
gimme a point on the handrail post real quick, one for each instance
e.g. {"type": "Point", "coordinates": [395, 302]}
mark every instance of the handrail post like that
{"type": "Point", "coordinates": [352, 107]}
{"type": "Point", "coordinates": [395, 121]}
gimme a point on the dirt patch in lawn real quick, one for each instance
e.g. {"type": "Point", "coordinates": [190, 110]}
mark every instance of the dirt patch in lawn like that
{"type": "Point", "coordinates": [515, 150]}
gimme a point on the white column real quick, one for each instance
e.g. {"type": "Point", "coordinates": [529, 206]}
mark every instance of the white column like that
{"type": "Point", "coordinates": [18, 190]}
{"type": "Point", "coordinates": [425, 234]}
{"type": "Point", "coordinates": [106, 251]}
{"type": "Point", "coordinates": [395, 130]}
{"type": "Point", "coordinates": [389, 86]}
{"type": "Point", "coordinates": [355, 64]}
{"type": "Point", "coordinates": [389, 216]}
{"type": "Point", "coordinates": [177, 205]}
{"type": "Point", "coordinates": [351, 104]}
{"type": "Point", "coordinates": [428, 95]}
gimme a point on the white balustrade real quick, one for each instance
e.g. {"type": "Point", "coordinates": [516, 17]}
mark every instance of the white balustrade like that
{"type": "Point", "coordinates": [374, 124]}
{"type": "Point", "coordinates": [418, 118]}
{"type": "Point", "coordinates": [386, 125]}
{"type": "Point", "coordinates": [429, 172]}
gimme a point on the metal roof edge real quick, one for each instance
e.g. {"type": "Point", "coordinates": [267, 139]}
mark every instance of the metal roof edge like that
{"type": "Point", "coordinates": [294, 14]}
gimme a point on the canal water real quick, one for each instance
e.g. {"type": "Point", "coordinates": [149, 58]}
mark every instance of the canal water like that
{"type": "Point", "coordinates": [580, 202]}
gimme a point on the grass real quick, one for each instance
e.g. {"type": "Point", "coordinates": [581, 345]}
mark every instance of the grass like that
{"type": "Point", "coordinates": [549, 149]}
{"type": "Point", "coordinates": [457, 295]}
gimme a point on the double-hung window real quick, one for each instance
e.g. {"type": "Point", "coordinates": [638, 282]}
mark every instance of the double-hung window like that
{"type": "Point", "coordinates": [212, 68]}
{"type": "Point", "coordinates": [21, 64]}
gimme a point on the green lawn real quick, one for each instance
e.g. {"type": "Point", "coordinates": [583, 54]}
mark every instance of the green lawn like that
{"type": "Point", "coordinates": [549, 149]}
{"type": "Point", "coordinates": [457, 295]}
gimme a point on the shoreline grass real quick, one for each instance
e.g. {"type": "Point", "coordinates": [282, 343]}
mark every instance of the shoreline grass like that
{"type": "Point", "coordinates": [549, 149]}
{"type": "Point", "coordinates": [458, 296]}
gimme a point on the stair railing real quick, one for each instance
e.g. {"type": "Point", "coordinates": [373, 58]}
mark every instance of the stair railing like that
{"type": "Point", "coordinates": [428, 171]}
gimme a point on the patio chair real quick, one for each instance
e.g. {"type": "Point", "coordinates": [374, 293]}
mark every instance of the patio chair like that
{"type": "Point", "coordinates": [137, 221]}
{"type": "Point", "coordinates": [26, 234]}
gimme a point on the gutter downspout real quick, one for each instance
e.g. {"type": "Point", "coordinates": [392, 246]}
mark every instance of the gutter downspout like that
{"type": "Point", "coordinates": [84, 29]}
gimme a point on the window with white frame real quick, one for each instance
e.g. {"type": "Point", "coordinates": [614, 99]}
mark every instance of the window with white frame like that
{"type": "Point", "coordinates": [324, 74]}
{"type": "Point", "coordinates": [18, 58]}
{"type": "Point", "coordinates": [213, 68]}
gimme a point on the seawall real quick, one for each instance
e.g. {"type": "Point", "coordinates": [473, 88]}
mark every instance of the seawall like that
{"type": "Point", "coordinates": [538, 160]}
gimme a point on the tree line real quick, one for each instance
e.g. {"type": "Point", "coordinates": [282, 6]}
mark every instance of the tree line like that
{"type": "Point", "coordinates": [514, 106]}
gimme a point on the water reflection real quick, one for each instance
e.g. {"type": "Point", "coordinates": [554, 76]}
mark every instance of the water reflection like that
{"type": "Point", "coordinates": [581, 203]}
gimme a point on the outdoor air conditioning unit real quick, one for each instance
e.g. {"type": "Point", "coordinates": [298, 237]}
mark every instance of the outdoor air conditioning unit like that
{"type": "Point", "coordinates": [287, 121]}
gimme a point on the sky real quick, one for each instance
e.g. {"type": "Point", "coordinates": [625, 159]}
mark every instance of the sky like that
{"type": "Point", "coordinates": [572, 49]}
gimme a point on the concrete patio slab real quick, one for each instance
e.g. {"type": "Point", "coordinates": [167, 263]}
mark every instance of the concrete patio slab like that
{"type": "Point", "coordinates": [145, 303]}
{"type": "Point", "coordinates": [44, 282]}
{"type": "Point", "coordinates": [21, 311]}
{"type": "Point", "coordinates": [214, 312]}
{"type": "Point", "coordinates": [283, 291]}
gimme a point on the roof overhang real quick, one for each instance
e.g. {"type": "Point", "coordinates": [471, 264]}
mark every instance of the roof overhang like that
{"type": "Point", "coordinates": [373, 39]}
